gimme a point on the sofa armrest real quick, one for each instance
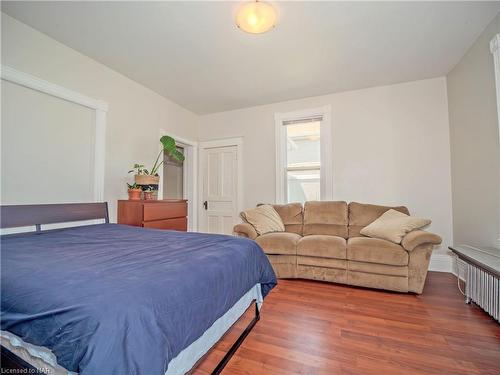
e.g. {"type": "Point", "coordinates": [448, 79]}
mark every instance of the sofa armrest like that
{"type": "Point", "coordinates": [418, 237]}
{"type": "Point", "coordinates": [245, 230]}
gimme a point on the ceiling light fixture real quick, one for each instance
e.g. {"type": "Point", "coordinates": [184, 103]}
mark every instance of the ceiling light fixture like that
{"type": "Point", "coordinates": [256, 17]}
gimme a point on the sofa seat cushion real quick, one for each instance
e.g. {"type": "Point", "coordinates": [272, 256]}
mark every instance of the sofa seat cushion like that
{"type": "Point", "coordinates": [322, 246]}
{"type": "Point", "coordinates": [279, 243]}
{"type": "Point", "coordinates": [374, 250]}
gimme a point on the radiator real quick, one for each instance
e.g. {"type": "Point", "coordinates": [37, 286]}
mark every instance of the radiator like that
{"type": "Point", "coordinates": [483, 289]}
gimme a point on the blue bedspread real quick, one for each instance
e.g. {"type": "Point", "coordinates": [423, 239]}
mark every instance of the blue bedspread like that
{"type": "Point", "coordinates": [114, 299]}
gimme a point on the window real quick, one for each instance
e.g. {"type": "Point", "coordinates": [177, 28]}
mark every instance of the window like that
{"type": "Point", "coordinates": [303, 156]}
{"type": "Point", "coordinates": [303, 161]}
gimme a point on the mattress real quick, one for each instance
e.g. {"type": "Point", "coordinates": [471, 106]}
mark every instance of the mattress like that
{"type": "Point", "coordinates": [116, 299]}
{"type": "Point", "coordinates": [44, 360]}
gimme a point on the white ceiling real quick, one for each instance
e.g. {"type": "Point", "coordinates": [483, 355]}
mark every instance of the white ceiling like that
{"type": "Point", "coordinates": [192, 53]}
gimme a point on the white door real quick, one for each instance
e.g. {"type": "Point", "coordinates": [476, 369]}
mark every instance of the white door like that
{"type": "Point", "coordinates": [219, 196]}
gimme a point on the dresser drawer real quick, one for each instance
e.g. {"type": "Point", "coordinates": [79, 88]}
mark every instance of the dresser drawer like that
{"type": "Point", "coordinates": [164, 214]}
{"type": "Point", "coordinates": [179, 223]}
{"type": "Point", "coordinates": [159, 211]}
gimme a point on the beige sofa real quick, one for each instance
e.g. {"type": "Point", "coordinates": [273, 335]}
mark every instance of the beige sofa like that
{"type": "Point", "coordinates": [322, 241]}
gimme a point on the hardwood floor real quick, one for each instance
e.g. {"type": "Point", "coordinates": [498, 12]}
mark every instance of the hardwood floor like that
{"type": "Point", "coordinates": [310, 327]}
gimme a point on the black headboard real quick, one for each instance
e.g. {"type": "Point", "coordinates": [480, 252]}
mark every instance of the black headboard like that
{"type": "Point", "coordinates": [40, 214]}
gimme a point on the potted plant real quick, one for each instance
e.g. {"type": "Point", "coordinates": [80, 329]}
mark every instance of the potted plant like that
{"type": "Point", "coordinates": [148, 180]}
{"type": "Point", "coordinates": [149, 194]}
{"type": "Point", "coordinates": [134, 192]}
{"type": "Point", "coordinates": [142, 177]}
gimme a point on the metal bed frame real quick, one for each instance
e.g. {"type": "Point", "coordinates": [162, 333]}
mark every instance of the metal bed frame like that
{"type": "Point", "coordinates": [15, 216]}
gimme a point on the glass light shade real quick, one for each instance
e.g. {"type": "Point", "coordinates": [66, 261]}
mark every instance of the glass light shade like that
{"type": "Point", "coordinates": [256, 17]}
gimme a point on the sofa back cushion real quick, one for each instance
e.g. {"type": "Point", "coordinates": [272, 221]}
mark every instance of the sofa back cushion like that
{"type": "Point", "coordinates": [326, 217]}
{"type": "Point", "coordinates": [264, 219]}
{"type": "Point", "coordinates": [292, 216]}
{"type": "Point", "coordinates": [361, 215]}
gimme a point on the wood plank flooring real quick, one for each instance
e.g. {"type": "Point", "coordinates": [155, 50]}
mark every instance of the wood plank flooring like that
{"type": "Point", "coordinates": [310, 327]}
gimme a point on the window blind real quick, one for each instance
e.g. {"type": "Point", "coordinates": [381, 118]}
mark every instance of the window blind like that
{"type": "Point", "coordinates": [303, 120]}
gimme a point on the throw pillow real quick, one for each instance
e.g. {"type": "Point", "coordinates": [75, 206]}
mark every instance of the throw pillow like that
{"type": "Point", "coordinates": [393, 226]}
{"type": "Point", "coordinates": [264, 219]}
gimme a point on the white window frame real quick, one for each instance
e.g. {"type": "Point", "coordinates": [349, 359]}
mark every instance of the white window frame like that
{"type": "Point", "coordinates": [326, 172]}
{"type": "Point", "coordinates": [495, 50]}
{"type": "Point", "coordinates": [99, 107]}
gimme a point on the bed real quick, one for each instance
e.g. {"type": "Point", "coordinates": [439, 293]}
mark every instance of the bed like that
{"type": "Point", "coordinates": [114, 299]}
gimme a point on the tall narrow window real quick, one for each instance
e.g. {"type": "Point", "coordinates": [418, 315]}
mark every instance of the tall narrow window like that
{"type": "Point", "coordinates": [303, 156]}
{"type": "Point", "coordinates": [303, 161]}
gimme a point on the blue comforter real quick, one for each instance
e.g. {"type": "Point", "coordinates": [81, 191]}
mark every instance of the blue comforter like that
{"type": "Point", "coordinates": [114, 299]}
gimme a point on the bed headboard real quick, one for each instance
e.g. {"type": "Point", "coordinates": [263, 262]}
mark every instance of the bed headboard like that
{"type": "Point", "coordinates": [39, 214]}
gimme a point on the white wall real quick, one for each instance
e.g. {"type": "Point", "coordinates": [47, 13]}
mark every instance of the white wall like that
{"type": "Point", "coordinates": [136, 114]}
{"type": "Point", "coordinates": [475, 150]}
{"type": "Point", "coordinates": [390, 146]}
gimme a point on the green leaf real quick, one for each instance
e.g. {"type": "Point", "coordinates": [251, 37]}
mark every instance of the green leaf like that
{"type": "Point", "coordinates": [177, 155]}
{"type": "Point", "coordinates": [168, 143]}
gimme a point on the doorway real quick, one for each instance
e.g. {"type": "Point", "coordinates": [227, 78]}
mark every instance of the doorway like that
{"type": "Point", "coordinates": [180, 180]}
{"type": "Point", "coordinates": [173, 176]}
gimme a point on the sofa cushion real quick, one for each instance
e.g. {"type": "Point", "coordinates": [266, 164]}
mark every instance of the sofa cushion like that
{"type": "Point", "coordinates": [324, 217]}
{"type": "Point", "coordinates": [393, 226]}
{"type": "Point", "coordinates": [322, 246]}
{"type": "Point", "coordinates": [279, 243]}
{"type": "Point", "coordinates": [291, 215]}
{"type": "Point", "coordinates": [264, 219]}
{"type": "Point", "coordinates": [374, 250]}
{"type": "Point", "coordinates": [360, 215]}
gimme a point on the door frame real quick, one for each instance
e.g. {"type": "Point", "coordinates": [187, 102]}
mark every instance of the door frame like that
{"type": "Point", "coordinates": [189, 176]}
{"type": "Point", "coordinates": [223, 142]}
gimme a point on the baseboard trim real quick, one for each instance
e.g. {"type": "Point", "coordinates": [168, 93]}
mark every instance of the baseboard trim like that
{"type": "Point", "coordinates": [441, 263]}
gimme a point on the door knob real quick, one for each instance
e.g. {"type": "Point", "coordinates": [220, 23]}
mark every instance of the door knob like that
{"type": "Point", "coordinates": [205, 204]}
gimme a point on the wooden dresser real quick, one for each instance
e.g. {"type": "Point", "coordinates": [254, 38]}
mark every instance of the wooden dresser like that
{"type": "Point", "coordinates": [159, 214]}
